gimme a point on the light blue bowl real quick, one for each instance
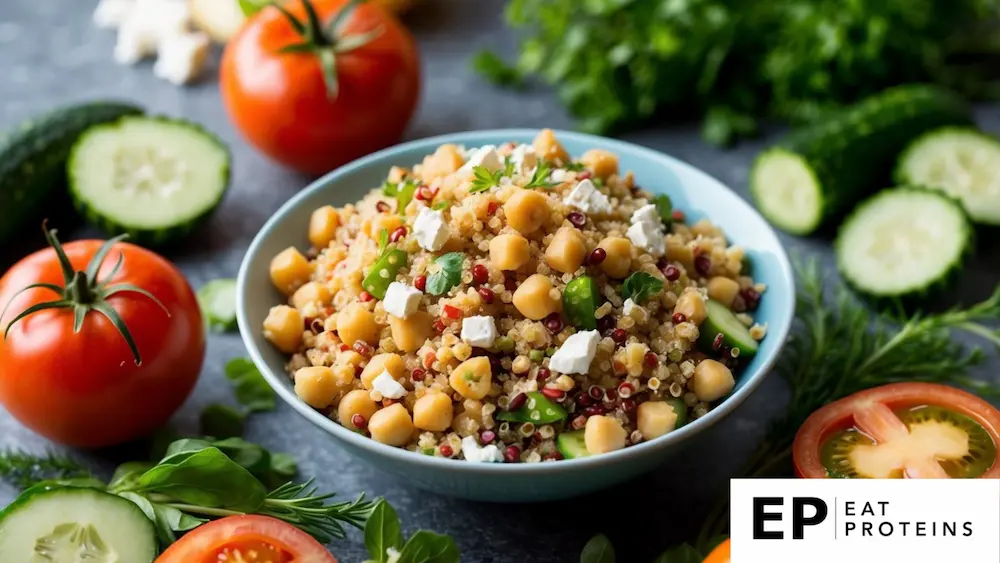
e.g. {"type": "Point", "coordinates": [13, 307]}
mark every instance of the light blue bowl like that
{"type": "Point", "coordinates": [692, 191]}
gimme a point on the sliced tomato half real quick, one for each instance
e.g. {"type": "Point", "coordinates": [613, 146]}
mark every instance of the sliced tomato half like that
{"type": "Point", "coordinates": [902, 430]}
{"type": "Point", "coordinates": [719, 554]}
{"type": "Point", "coordinates": [246, 539]}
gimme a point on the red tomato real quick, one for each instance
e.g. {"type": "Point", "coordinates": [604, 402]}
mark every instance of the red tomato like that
{"type": "Point", "coordinates": [719, 554]}
{"type": "Point", "coordinates": [931, 428]}
{"type": "Point", "coordinates": [284, 104]}
{"type": "Point", "coordinates": [84, 387]}
{"type": "Point", "coordinates": [246, 539]}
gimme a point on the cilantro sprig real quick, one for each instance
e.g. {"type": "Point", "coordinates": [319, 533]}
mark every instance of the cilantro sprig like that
{"type": "Point", "coordinates": [448, 276]}
{"type": "Point", "coordinates": [484, 179]}
{"type": "Point", "coordinates": [640, 286]}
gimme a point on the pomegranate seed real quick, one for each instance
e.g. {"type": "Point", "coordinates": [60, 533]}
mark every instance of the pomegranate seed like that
{"type": "Point", "coordinates": [509, 281]}
{"type": "Point", "coordinates": [583, 175]}
{"type": "Point", "coordinates": [584, 401]}
{"type": "Point", "coordinates": [619, 368]}
{"type": "Point", "coordinates": [751, 297]}
{"type": "Point", "coordinates": [495, 366]}
{"type": "Point", "coordinates": [703, 264]}
{"type": "Point", "coordinates": [578, 219]}
{"type": "Point", "coordinates": [452, 312]}
{"type": "Point", "coordinates": [672, 273]}
{"type": "Point", "coordinates": [420, 282]}
{"type": "Point", "coordinates": [680, 318]}
{"type": "Point", "coordinates": [553, 456]}
{"type": "Point", "coordinates": [597, 256]}
{"type": "Point", "coordinates": [358, 420]}
{"type": "Point", "coordinates": [553, 323]}
{"type": "Point", "coordinates": [418, 375]}
{"type": "Point", "coordinates": [677, 215]}
{"type": "Point", "coordinates": [487, 436]}
{"type": "Point", "coordinates": [717, 341]}
{"type": "Point", "coordinates": [344, 347]}
{"type": "Point", "coordinates": [512, 454]}
{"type": "Point", "coordinates": [382, 207]}
{"type": "Point", "coordinates": [365, 297]}
{"type": "Point", "coordinates": [491, 209]}
{"type": "Point", "coordinates": [596, 393]}
{"type": "Point", "coordinates": [605, 324]}
{"type": "Point", "coordinates": [543, 375]}
{"type": "Point", "coordinates": [363, 348]}
{"type": "Point", "coordinates": [612, 395]}
{"type": "Point", "coordinates": [651, 359]}
{"type": "Point", "coordinates": [480, 274]}
{"type": "Point", "coordinates": [628, 405]}
{"type": "Point", "coordinates": [446, 450]}
{"type": "Point", "coordinates": [487, 294]}
{"type": "Point", "coordinates": [517, 401]}
{"type": "Point", "coordinates": [439, 325]}
{"type": "Point", "coordinates": [397, 234]}
{"type": "Point", "coordinates": [625, 390]}
{"type": "Point", "coordinates": [594, 410]}
{"type": "Point", "coordinates": [556, 394]}
{"type": "Point", "coordinates": [579, 422]}
{"type": "Point", "coordinates": [619, 335]}
{"type": "Point", "coordinates": [424, 193]}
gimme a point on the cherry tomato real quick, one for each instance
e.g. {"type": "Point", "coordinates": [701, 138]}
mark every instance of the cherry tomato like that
{"type": "Point", "coordinates": [719, 554]}
{"type": "Point", "coordinates": [314, 104]}
{"type": "Point", "coordinates": [246, 539]}
{"type": "Point", "coordinates": [68, 372]}
{"type": "Point", "coordinates": [902, 430]}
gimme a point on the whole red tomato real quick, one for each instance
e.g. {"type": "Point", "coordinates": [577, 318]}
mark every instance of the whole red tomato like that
{"type": "Point", "coordinates": [67, 371]}
{"type": "Point", "coordinates": [316, 93]}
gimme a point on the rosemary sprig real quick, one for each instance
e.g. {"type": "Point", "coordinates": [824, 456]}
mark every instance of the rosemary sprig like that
{"type": "Point", "coordinates": [300, 506]}
{"type": "Point", "coordinates": [23, 470]}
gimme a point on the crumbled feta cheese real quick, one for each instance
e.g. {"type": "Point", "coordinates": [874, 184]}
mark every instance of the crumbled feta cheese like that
{"type": "Point", "coordinates": [479, 331]}
{"type": "Point", "coordinates": [576, 354]}
{"type": "Point", "coordinates": [387, 385]}
{"type": "Point", "coordinates": [557, 175]}
{"type": "Point", "coordinates": [587, 198]}
{"type": "Point", "coordinates": [135, 42]}
{"type": "Point", "coordinates": [111, 14]}
{"type": "Point", "coordinates": [401, 300]}
{"type": "Point", "coordinates": [647, 214]}
{"type": "Point", "coordinates": [147, 25]}
{"type": "Point", "coordinates": [430, 229]}
{"type": "Point", "coordinates": [181, 57]}
{"type": "Point", "coordinates": [474, 453]}
{"type": "Point", "coordinates": [524, 157]}
{"type": "Point", "coordinates": [486, 157]}
{"type": "Point", "coordinates": [628, 306]}
{"type": "Point", "coordinates": [649, 237]}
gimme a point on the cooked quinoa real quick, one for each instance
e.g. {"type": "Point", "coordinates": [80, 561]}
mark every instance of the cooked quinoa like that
{"type": "Point", "coordinates": [521, 306]}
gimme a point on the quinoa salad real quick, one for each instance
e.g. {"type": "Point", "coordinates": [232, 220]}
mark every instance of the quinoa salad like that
{"type": "Point", "coordinates": [513, 304]}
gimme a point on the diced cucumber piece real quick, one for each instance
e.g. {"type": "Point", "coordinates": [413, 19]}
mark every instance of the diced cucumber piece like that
{"type": "Point", "coordinates": [572, 444]}
{"type": "Point", "coordinates": [151, 177]}
{"type": "Point", "coordinates": [70, 525]}
{"type": "Point", "coordinates": [217, 299]}
{"type": "Point", "coordinates": [903, 243]}
{"type": "Point", "coordinates": [581, 298]}
{"type": "Point", "coordinates": [538, 409]}
{"type": "Point", "coordinates": [960, 161]}
{"type": "Point", "coordinates": [735, 334]}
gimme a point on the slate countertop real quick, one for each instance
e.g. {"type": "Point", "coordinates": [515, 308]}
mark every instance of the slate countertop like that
{"type": "Point", "coordinates": [51, 54]}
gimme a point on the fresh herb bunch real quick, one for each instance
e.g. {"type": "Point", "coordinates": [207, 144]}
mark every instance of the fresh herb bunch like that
{"type": "Point", "coordinates": [619, 63]}
{"type": "Point", "coordinates": [384, 541]}
{"type": "Point", "coordinates": [22, 469]}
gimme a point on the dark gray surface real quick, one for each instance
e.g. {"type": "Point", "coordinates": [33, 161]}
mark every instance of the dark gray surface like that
{"type": "Point", "coordinates": [50, 54]}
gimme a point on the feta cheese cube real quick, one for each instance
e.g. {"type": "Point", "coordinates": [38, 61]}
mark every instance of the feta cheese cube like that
{"type": "Point", "coordinates": [576, 354]}
{"type": "Point", "coordinates": [136, 41]}
{"type": "Point", "coordinates": [111, 14]}
{"type": "Point", "coordinates": [487, 157]}
{"type": "Point", "coordinates": [557, 175]}
{"type": "Point", "coordinates": [479, 331]}
{"type": "Point", "coordinates": [181, 57]}
{"type": "Point", "coordinates": [476, 454]}
{"type": "Point", "coordinates": [524, 157]}
{"type": "Point", "coordinates": [148, 24]}
{"type": "Point", "coordinates": [628, 306]}
{"type": "Point", "coordinates": [401, 300]}
{"type": "Point", "coordinates": [647, 214]}
{"type": "Point", "coordinates": [430, 229]}
{"type": "Point", "coordinates": [588, 199]}
{"type": "Point", "coordinates": [649, 237]}
{"type": "Point", "coordinates": [387, 385]}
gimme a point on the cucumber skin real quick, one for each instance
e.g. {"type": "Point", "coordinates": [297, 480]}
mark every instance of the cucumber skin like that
{"type": "Point", "coordinates": [912, 300]}
{"type": "Point", "coordinates": [33, 158]}
{"type": "Point", "coordinates": [152, 238]}
{"type": "Point", "coordinates": [852, 153]}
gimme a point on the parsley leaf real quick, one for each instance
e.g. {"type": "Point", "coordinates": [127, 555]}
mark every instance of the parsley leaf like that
{"type": "Point", "coordinates": [575, 167]}
{"type": "Point", "coordinates": [665, 208]}
{"type": "Point", "coordinates": [484, 179]}
{"type": "Point", "coordinates": [449, 276]}
{"type": "Point", "coordinates": [390, 189]}
{"type": "Point", "coordinates": [540, 179]}
{"type": "Point", "coordinates": [403, 192]}
{"type": "Point", "coordinates": [640, 286]}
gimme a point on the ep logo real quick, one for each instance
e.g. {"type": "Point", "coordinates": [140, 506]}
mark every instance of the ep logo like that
{"type": "Point", "coordinates": [805, 511]}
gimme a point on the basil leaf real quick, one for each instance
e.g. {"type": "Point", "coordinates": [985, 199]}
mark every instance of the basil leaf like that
{"type": "Point", "coordinates": [284, 466]}
{"type": "Point", "coordinates": [665, 208]}
{"type": "Point", "coordinates": [206, 478]}
{"type": "Point", "coordinates": [683, 553]}
{"type": "Point", "coordinates": [598, 550]}
{"type": "Point", "coordinates": [252, 391]}
{"type": "Point", "coordinates": [449, 276]}
{"type": "Point", "coordinates": [428, 547]}
{"type": "Point", "coordinates": [382, 531]}
{"type": "Point", "coordinates": [167, 520]}
{"type": "Point", "coordinates": [640, 286]}
{"type": "Point", "coordinates": [271, 469]}
{"type": "Point", "coordinates": [127, 474]}
{"type": "Point", "coordinates": [222, 421]}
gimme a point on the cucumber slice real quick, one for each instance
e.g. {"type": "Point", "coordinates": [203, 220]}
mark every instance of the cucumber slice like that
{"type": "Point", "coordinates": [961, 162]}
{"type": "Point", "coordinates": [735, 334]}
{"type": "Point", "coordinates": [217, 299]}
{"type": "Point", "coordinates": [903, 243]}
{"type": "Point", "coordinates": [572, 444]}
{"type": "Point", "coordinates": [69, 525]}
{"type": "Point", "coordinates": [151, 177]}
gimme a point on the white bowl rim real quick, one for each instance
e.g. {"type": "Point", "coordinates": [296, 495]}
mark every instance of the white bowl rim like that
{"type": "Point", "coordinates": [672, 439]}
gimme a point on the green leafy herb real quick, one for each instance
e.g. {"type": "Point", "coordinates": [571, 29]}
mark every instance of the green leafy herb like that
{"type": "Point", "coordinates": [484, 179]}
{"type": "Point", "coordinates": [252, 391]}
{"type": "Point", "coordinates": [639, 286]}
{"type": "Point", "coordinates": [508, 166]}
{"type": "Point", "coordinates": [383, 536]}
{"type": "Point", "coordinates": [575, 166]}
{"type": "Point", "coordinates": [222, 421]}
{"type": "Point", "coordinates": [598, 550]}
{"type": "Point", "coordinates": [683, 553]}
{"type": "Point", "coordinates": [664, 208]}
{"type": "Point", "coordinates": [441, 205]}
{"type": "Point", "coordinates": [382, 532]}
{"type": "Point", "coordinates": [217, 301]}
{"type": "Point", "coordinates": [272, 469]}
{"type": "Point", "coordinates": [24, 470]}
{"type": "Point", "coordinates": [540, 178]}
{"type": "Point", "coordinates": [251, 7]}
{"type": "Point", "coordinates": [496, 70]}
{"type": "Point", "coordinates": [428, 547]}
{"type": "Point", "coordinates": [206, 478]}
{"type": "Point", "coordinates": [402, 191]}
{"type": "Point", "coordinates": [383, 242]}
{"type": "Point", "coordinates": [448, 276]}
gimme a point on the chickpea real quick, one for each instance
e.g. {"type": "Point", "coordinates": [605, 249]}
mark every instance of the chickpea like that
{"type": "Point", "coordinates": [409, 334]}
{"type": "Point", "coordinates": [534, 298]}
{"type": "Point", "coordinates": [723, 290]}
{"type": "Point", "coordinates": [603, 434]}
{"type": "Point", "coordinates": [445, 160]}
{"type": "Point", "coordinates": [283, 328]}
{"type": "Point", "coordinates": [680, 252]}
{"type": "Point", "coordinates": [433, 412]}
{"type": "Point", "coordinates": [391, 425]}
{"type": "Point", "coordinates": [619, 256]}
{"type": "Point", "coordinates": [289, 270]}
{"type": "Point", "coordinates": [527, 211]}
{"type": "Point", "coordinates": [692, 306]}
{"type": "Point", "coordinates": [712, 381]}
{"type": "Point", "coordinates": [323, 226]}
{"type": "Point", "coordinates": [601, 162]}
{"type": "Point", "coordinates": [312, 292]}
{"type": "Point", "coordinates": [567, 250]}
{"type": "Point", "coordinates": [315, 385]}
{"type": "Point", "coordinates": [509, 252]}
{"type": "Point", "coordinates": [472, 378]}
{"type": "Point", "coordinates": [357, 323]}
{"type": "Point", "coordinates": [391, 363]}
{"type": "Point", "coordinates": [655, 418]}
{"type": "Point", "coordinates": [549, 148]}
{"type": "Point", "coordinates": [355, 402]}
